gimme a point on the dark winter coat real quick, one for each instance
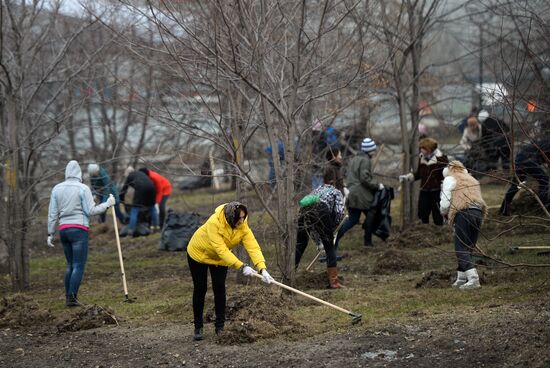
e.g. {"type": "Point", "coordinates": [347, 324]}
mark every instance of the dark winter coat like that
{"type": "Point", "coordinates": [144, 189]}
{"type": "Point", "coordinates": [361, 183]}
{"type": "Point", "coordinates": [430, 171]}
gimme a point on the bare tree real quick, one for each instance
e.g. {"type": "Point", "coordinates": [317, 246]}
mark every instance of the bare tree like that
{"type": "Point", "coordinates": [277, 58]}
{"type": "Point", "coordinates": [34, 43]}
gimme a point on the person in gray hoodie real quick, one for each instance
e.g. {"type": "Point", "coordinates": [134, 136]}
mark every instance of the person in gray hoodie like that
{"type": "Point", "coordinates": [72, 204]}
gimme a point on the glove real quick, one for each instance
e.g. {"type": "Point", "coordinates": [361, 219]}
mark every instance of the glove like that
{"type": "Point", "coordinates": [522, 184]}
{"type": "Point", "coordinates": [157, 208]}
{"type": "Point", "coordinates": [380, 186]}
{"type": "Point", "coordinates": [266, 277]}
{"type": "Point", "coordinates": [247, 270]}
{"type": "Point", "coordinates": [110, 201]}
{"type": "Point", "coordinates": [50, 241]}
{"type": "Point", "coordinates": [346, 192]}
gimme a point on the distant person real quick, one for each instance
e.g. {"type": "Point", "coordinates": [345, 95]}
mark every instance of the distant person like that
{"type": "Point", "coordinates": [210, 250]}
{"type": "Point", "coordinates": [102, 187]}
{"type": "Point", "coordinates": [463, 206]}
{"type": "Point", "coordinates": [471, 134]}
{"type": "Point", "coordinates": [323, 141]}
{"type": "Point", "coordinates": [494, 140]}
{"type": "Point", "coordinates": [72, 204]}
{"type": "Point", "coordinates": [333, 171]}
{"type": "Point", "coordinates": [430, 172]}
{"type": "Point", "coordinates": [529, 162]}
{"type": "Point", "coordinates": [319, 221]}
{"type": "Point", "coordinates": [362, 187]}
{"type": "Point", "coordinates": [144, 197]}
{"type": "Point", "coordinates": [272, 180]}
{"type": "Point", "coordinates": [474, 111]}
{"type": "Point", "coordinates": [163, 189]}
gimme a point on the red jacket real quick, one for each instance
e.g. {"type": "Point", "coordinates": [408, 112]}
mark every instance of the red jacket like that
{"type": "Point", "coordinates": [162, 185]}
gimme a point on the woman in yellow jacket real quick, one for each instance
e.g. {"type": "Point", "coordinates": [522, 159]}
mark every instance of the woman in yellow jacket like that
{"type": "Point", "coordinates": [210, 249]}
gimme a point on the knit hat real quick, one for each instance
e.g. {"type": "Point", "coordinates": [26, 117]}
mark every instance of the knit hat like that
{"type": "Point", "coordinates": [368, 145]}
{"type": "Point", "coordinates": [482, 116]}
{"type": "Point", "coordinates": [93, 169]}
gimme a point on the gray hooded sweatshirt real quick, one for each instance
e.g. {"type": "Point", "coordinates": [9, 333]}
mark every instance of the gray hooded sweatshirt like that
{"type": "Point", "coordinates": [71, 201]}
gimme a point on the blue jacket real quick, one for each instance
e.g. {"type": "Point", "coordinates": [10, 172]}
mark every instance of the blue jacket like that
{"type": "Point", "coordinates": [71, 202]}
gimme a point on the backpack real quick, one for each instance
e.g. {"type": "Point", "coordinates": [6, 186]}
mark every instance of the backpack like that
{"type": "Point", "coordinates": [178, 230]}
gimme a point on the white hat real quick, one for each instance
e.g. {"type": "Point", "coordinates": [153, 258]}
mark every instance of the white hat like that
{"type": "Point", "coordinates": [482, 116]}
{"type": "Point", "coordinates": [128, 170]}
{"type": "Point", "coordinates": [93, 169]}
{"type": "Point", "coordinates": [368, 145]}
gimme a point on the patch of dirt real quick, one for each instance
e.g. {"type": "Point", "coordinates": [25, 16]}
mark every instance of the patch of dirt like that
{"type": "Point", "coordinates": [395, 260]}
{"type": "Point", "coordinates": [92, 316]}
{"type": "Point", "coordinates": [421, 236]}
{"type": "Point", "coordinates": [436, 279]}
{"type": "Point", "coordinates": [21, 310]}
{"type": "Point", "coordinates": [254, 314]}
{"type": "Point", "coordinates": [485, 336]}
{"type": "Point", "coordinates": [313, 280]}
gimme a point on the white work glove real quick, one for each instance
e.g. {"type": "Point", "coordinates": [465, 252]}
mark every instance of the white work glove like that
{"type": "Point", "coordinates": [157, 208]}
{"type": "Point", "coordinates": [50, 241]}
{"type": "Point", "coordinates": [522, 184]}
{"type": "Point", "coordinates": [346, 192]}
{"type": "Point", "coordinates": [110, 201]}
{"type": "Point", "coordinates": [406, 177]}
{"type": "Point", "coordinates": [380, 186]}
{"type": "Point", "coordinates": [248, 271]}
{"type": "Point", "coordinates": [266, 277]}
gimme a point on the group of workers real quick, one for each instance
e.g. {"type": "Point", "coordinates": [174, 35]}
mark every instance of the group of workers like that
{"type": "Point", "coordinates": [447, 192]}
{"type": "Point", "coordinates": [72, 204]}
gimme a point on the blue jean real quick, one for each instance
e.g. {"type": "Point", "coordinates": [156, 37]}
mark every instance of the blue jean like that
{"type": "Point", "coordinates": [75, 247]}
{"type": "Point", "coordinates": [134, 214]}
{"type": "Point", "coordinates": [353, 219]}
{"type": "Point", "coordinates": [466, 231]}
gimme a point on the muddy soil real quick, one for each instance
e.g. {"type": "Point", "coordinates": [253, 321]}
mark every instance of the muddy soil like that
{"type": "Point", "coordinates": [395, 260]}
{"type": "Point", "coordinates": [489, 336]}
{"type": "Point", "coordinates": [421, 236]}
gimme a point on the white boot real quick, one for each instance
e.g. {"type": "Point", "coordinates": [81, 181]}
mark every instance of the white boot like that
{"type": "Point", "coordinates": [461, 279]}
{"type": "Point", "coordinates": [473, 280]}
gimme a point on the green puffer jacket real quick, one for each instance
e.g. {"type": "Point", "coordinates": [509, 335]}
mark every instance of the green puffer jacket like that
{"type": "Point", "coordinates": [361, 183]}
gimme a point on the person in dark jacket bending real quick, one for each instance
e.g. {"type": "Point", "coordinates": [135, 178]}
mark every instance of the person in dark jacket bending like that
{"type": "Point", "coordinates": [528, 162]}
{"type": "Point", "coordinates": [430, 172]}
{"type": "Point", "coordinates": [144, 197]}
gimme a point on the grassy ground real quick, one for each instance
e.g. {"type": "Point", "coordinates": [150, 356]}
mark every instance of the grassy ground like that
{"type": "Point", "coordinates": [160, 280]}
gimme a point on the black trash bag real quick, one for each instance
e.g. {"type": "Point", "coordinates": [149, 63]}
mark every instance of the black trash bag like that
{"type": "Point", "coordinates": [381, 206]}
{"type": "Point", "coordinates": [178, 230]}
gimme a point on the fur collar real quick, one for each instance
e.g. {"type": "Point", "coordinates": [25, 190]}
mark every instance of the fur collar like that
{"type": "Point", "coordinates": [432, 159]}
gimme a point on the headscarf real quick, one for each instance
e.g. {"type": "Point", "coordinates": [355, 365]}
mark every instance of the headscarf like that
{"type": "Point", "coordinates": [232, 212]}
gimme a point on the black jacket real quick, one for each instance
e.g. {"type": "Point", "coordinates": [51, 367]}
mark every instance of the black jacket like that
{"type": "Point", "coordinates": [144, 189]}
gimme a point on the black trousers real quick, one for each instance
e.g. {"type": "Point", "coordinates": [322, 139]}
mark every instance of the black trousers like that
{"type": "Point", "coordinates": [428, 203]}
{"type": "Point", "coordinates": [319, 219]}
{"type": "Point", "coordinates": [466, 231]}
{"type": "Point", "coordinates": [199, 273]}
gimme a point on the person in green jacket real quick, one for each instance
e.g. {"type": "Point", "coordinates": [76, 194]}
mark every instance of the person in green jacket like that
{"type": "Point", "coordinates": [362, 187]}
{"type": "Point", "coordinates": [210, 250]}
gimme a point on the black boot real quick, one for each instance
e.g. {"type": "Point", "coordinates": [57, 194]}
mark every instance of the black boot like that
{"type": "Point", "coordinates": [197, 336]}
{"type": "Point", "coordinates": [72, 301]}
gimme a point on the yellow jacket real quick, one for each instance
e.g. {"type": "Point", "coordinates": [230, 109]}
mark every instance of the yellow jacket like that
{"type": "Point", "coordinates": [212, 243]}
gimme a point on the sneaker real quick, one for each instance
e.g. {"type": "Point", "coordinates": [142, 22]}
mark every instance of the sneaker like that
{"type": "Point", "coordinates": [197, 336]}
{"type": "Point", "coordinates": [72, 301]}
